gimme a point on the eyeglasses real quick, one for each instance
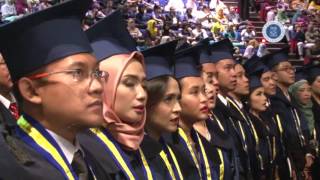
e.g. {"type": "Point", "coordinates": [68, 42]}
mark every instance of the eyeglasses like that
{"type": "Point", "coordinates": [287, 69]}
{"type": "Point", "coordinates": [77, 75]}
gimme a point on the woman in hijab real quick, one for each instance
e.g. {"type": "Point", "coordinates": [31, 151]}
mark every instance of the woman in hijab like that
{"type": "Point", "coordinates": [301, 94]}
{"type": "Point", "coordinates": [117, 144]}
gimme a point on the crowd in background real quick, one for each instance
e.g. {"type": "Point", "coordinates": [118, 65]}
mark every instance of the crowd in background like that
{"type": "Point", "coordinates": [153, 22]}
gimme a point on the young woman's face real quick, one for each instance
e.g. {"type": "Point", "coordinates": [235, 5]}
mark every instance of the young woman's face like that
{"type": "Point", "coordinates": [131, 97]}
{"type": "Point", "coordinates": [193, 101]}
{"type": "Point", "coordinates": [258, 100]}
{"type": "Point", "coordinates": [165, 115]}
{"type": "Point", "coordinates": [304, 94]}
{"type": "Point", "coordinates": [209, 76]}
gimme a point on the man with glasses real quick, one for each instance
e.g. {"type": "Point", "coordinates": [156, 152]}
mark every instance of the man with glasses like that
{"type": "Point", "coordinates": [59, 90]}
{"type": "Point", "coordinates": [295, 130]}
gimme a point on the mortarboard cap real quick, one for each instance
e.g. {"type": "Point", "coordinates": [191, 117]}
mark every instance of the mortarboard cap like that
{"type": "Point", "coordinates": [205, 53]}
{"type": "Point", "coordinates": [187, 63]}
{"type": "Point", "coordinates": [221, 50]}
{"type": "Point", "coordinates": [254, 82]}
{"type": "Point", "coordinates": [312, 71]}
{"type": "Point", "coordinates": [277, 57]}
{"type": "Point", "coordinates": [43, 37]}
{"type": "Point", "coordinates": [255, 66]}
{"type": "Point", "coordinates": [300, 74]}
{"type": "Point", "coordinates": [110, 37]}
{"type": "Point", "coordinates": [159, 59]}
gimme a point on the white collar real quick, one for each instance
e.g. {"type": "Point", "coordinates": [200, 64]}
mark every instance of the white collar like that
{"type": "Point", "coordinates": [67, 148]}
{"type": "Point", "coordinates": [239, 103]}
{"type": "Point", "coordinates": [6, 101]}
{"type": "Point", "coordinates": [223, 99]}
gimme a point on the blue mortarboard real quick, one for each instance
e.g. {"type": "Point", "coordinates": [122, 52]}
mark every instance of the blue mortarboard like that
{"type": "Point", "coordinates": [221, 50]}
{"type": "Point", "coordinates": [300, 74]}
{"type": "Point", "coordinates": [277, 57]}
{"type": "Point", "coordinates": [205, 52]}
{"type": "Point", "coordinates": [187, 63]}
{"type": "Point", "coordinates": [254, 82]}
{"type": "Point", "coordinates": [110, 37]}
{"type": "Point", "coordinates": [312, 71]}
{"type": "Point", "coordinates": [159, 59]}
{"type": "Point", "coordinates": [38, 39]}
{"type": "Point", "coordinates": [255, 66]}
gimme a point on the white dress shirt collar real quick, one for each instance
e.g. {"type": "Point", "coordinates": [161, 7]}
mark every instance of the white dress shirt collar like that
{"type": "Point", "coordinates": [223, 99]}
{"type": "Point", "coordinates": [6, 102]}
{"type": "Point", "coordinates": [67, 148]}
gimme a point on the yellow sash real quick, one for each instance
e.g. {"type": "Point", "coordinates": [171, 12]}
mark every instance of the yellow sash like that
{"type": "Point", "coordinates": [167, 163]}
{"type": "Point", "coordinates": [119, 158]}
{"type": "Point", "coordinates": [193, 154]}
{"type": "Point", "coordinates": [44, 143]}
{"type": "Point", "coordinates": [175, 162]}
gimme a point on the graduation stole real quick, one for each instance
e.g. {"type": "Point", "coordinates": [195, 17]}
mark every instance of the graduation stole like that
{"type": "Point", "coordinates": [213, 117]}
{"type": "Point", "coordinates": [253, 129]}
{"type": "Point", "coordinates": [221, 167]}
{"type": "Point", "coordinates": [170, 160]}
{"type": "Point", "coordinates": [119, 157]}
{"type": "Point", "coordinates": [36, 136]}
{"type": "Point", "coordinates": [203, 167]}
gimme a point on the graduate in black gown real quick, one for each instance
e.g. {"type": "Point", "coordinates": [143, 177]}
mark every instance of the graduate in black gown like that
{"type": "Point", "coordinates": [120, 144]}
{"type": "Point", "coordinates": [313, 77]}
{"type": "Point", "coordinates": [163, 108]}
{"type": "Point", "coordinates": [212, 128]}
{"type": "Point", "coordinates": [295, 130]}
{"type": "Point", "coordinates": [200, 160]}
{"type": "Point", "coordinates": [226, 76]}
{"type": "Point", "coordinates": [60, 90]}
{"type": "Point", "coordinates": [266, 132]}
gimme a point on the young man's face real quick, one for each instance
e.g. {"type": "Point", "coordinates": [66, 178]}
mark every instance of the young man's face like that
{"type": "Point", "coordinates": [70, 95]}
{"type": "Point", "coordinates": [226, 75]}
{"type": "Point", "coordinates": [242, 87]}
{"type": "Point", "coordinates": [285, 73]}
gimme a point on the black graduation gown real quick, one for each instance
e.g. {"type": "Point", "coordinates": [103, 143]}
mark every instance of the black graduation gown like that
{"type": "Point", "coordinates": [280, 163]}
{"type": "Point", "coordinates": [150, 148]}
{"type": "Point", "coordinates": [229, 122]}
{"type": "Point", "coordinates": [20, 161]}
{"type": "Point", "coordinates": [187, 166]}
{"type": "Point", "coordinates": [296, 147]}
{"type": "Point", "coordinates": [11, 154]}
{"type": "Point", "coordinates": [252, 154]}
{"type": "Point", "coordinates": [316, 115]}
{"type": "Point", "coordinates": [267, 135]}
{"type": "Point", "coordinates": [223, 141]}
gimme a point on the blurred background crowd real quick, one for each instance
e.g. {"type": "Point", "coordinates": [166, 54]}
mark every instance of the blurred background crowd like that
{"type": "Point", "coordinates": [152, 22]}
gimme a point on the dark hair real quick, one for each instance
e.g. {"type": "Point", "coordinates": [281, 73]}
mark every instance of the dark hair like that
{"type": "Point", "coordinates": [311, 79]}
{"type": "Point", "coordinates": [156, 89]}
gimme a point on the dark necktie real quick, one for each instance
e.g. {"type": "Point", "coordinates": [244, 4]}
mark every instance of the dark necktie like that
{"type": "Point", "coordinates": [79, 166]}
{"type": "Point", "coordinates": [14, 110]}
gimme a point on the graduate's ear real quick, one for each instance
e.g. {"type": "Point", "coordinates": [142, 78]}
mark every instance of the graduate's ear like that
{"type": "Point", "coordinates": [29, 90]}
